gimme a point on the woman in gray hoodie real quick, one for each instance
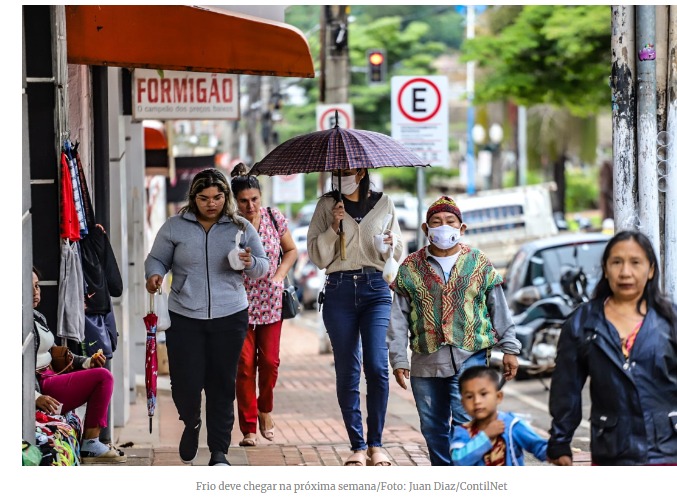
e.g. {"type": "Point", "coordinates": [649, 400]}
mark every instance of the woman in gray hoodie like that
{"type": "Point", "coordinates": [209, 249]}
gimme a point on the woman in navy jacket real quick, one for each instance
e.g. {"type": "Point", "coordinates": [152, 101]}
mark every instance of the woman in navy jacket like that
{"type": "Point", "coordinates": [625, 341]}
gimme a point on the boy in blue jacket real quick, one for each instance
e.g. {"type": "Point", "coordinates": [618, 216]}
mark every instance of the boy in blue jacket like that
{"type": "Point", "coordinates": [491, 437]}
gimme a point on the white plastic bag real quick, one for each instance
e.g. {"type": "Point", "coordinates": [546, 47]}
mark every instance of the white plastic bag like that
{"type": "Point", "coordinates": [233, 255]}
{"type": "Point", "coordinates": [390, 268]}
{"type": "Point", "coordinates": [380, 246]}
{"type": "Point", "coordinates": [162, 311]}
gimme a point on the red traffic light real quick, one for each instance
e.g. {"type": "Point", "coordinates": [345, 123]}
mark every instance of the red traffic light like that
{"type": "Point", "coordinates": [376, 58]}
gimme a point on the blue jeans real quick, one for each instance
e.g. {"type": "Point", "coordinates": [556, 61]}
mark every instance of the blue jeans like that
{"type": "Point", "coordinates": [437, 400]}
{"type": "Point", "coordinates": [356, 313]}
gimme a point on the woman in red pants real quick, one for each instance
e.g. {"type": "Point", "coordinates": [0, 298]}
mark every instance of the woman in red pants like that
{"type": "Point", "coordinates": [261, 349]}
{"type": "Point", "coordinates": [88, 383]}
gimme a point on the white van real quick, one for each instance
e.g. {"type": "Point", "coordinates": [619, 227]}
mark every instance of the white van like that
{"type": "Point", "coordinates": [500, 221]}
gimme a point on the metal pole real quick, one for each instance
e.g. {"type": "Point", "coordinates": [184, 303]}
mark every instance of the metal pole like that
{"type": "Point", "coordinates": [522, 146]}
{"type": "Point", "coordinates": [420, 189]}
{"type": "Point", "coordinates": [647, 172]}
{"type": "Point", "coordinates": [670, 235]}
{"type": "Point", "coordinates": [470, 85]}
{"type": "Point", "coordinates": [623, 115]}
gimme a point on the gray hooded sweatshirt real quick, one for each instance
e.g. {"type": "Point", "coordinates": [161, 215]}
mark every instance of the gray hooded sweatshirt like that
{"type": "Point", "coordinates": [204, 285]}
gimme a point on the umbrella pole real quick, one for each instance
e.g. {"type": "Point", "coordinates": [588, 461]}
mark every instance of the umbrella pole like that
{"type": "Point", "coordinates": [150, 425]}
{"type": "Point", "coordinates": [342, 236]}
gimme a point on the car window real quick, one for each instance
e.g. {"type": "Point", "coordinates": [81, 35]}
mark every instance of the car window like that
{"type": "Point", "coordinates": [551, 262]}
{"type": "Point", "coordinates": [515, 269]}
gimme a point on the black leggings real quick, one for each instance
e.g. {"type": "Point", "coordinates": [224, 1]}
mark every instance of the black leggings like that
{"type": "Point", "coordinates": [203, 354]}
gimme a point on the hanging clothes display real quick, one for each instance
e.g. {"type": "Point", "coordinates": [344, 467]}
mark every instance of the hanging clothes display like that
{"type": "Point", "coordinates": [77, 191]}
{"type": "Point", "coordinates": [101, 273]}
{"type": "Point", "coordinates": [86, 200]}
{"type": "Point", "coordinates": [70, 227]}
{"type": "Point", "coordinates": [70, 314]}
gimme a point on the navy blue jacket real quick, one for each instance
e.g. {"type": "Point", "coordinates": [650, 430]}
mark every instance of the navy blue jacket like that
{"type": "Point", "coordinates": [634, 402]}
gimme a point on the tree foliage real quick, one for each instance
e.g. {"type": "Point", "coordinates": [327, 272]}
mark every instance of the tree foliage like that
{"type": "Point", "coordinates": [545, 54]}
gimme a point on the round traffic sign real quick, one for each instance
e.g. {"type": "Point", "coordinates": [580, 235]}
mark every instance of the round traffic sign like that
{"type": "Point", "coordinates": [327, 119]}
{"type": "Point", "coordinates": [425, 99]}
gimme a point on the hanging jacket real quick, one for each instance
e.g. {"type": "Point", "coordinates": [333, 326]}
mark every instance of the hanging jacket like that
{"type": "Point", "coordinates": [517, 435]}
{"type": "Point", "coordinates": [634, 402]}
{"type": "Point", "coordinates": [70, 313]}
{"type": "Point", "coordinates": [101, 272]}
{"type": "Point", "coordinates": [69, 226]}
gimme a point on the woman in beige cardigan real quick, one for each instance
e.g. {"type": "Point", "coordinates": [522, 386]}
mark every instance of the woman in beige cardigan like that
{"type": "Point", "coordinates": [357, 301]}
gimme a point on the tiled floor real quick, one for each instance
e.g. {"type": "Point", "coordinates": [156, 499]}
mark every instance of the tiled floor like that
{"type": "Point", "coordinates": [309, 428]}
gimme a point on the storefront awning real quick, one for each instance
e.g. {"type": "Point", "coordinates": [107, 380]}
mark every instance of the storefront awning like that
{"type": "Point", "coordinates": [184, 38]}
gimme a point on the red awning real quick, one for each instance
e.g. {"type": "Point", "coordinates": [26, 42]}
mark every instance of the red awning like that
{"type": "Point", "coordinates": [154, 136]}
{"type": "Point", "coordinates": [184, 38]}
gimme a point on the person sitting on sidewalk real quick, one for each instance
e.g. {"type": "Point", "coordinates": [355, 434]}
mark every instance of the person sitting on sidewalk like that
{"type": "Point", "coordinates": [492, 437]}
{"type": "Point", "coordinates": [449, 297]}
{"type": "Point", "coordinates": [89, 383]}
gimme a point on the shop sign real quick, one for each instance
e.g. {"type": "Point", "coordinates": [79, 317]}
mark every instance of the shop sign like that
{"type": "Point", "coordinates": [185, 95]}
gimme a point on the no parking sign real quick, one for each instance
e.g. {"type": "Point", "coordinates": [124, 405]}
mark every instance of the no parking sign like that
{"type": "Point", "coordinates": [420, 116]}
{"type": "Point", "coordinates": [326, 116]}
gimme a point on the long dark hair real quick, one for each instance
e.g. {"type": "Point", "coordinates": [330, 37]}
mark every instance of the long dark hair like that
{"type": "Point", "coordinates": [653, 295]}
{"type": "Point", "coordinates": [211, 177]}
{"type": "Point", "coordinates": [363, 189]}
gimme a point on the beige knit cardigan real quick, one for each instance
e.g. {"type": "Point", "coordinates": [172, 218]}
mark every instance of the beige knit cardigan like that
{"type": "Point", "coordinates": [323, 242]}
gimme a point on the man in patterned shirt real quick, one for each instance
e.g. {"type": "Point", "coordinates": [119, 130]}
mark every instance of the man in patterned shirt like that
{"type": "Point", "coordinates": [450, 309]}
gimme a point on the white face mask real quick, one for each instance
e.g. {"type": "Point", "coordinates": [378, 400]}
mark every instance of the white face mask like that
{"type": "Point", "coordinates": [349, 184]}
{"type": "Point", "coordinates": [444, 237]}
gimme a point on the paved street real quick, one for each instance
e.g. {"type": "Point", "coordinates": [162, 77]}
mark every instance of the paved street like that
{"type": "Point", "coordinates": [309, 429]}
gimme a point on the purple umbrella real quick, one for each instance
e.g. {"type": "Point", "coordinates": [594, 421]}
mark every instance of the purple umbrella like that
{"type": "Point", "coordinates": [334, 150]}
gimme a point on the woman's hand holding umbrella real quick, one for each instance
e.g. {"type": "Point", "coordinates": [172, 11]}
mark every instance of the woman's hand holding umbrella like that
{"type": "Point", "coordinates": [339, 213]}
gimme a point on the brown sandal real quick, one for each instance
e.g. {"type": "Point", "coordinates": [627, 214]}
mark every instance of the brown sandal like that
{"type": "Point", "coordinates": [359, 458]}
{"type": "Point", "coordinates": [249, 440]}
{"type": "Point", "coordinates": [269, 434]}
{"type": "Point", "coordinates": [378, 458]}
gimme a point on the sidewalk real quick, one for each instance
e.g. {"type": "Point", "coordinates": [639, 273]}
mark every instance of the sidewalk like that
{"type": "Point", "coordinates": [309, 428]}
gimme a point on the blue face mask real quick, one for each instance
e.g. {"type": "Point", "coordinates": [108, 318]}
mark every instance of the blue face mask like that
{"type": "Point", "coordinates": [444, 237]}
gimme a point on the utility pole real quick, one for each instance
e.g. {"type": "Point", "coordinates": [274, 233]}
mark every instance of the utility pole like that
{"type": "Point", "coordinates": [670, 235]}
{"type": "Point", "coordinates": [623, 115]}
{"type": "Point", "coordinates": [335, 74]}
{"type": "Point", "coordinates": [646, 125]}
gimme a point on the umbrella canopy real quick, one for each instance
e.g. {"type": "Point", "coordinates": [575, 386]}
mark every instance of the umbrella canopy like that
{"type": "Point", "coordinates": [336, 149]}
{"type": "Point", "coordinates": [150, 320]}
{"type": "Point", "coordinates": [333, 150]}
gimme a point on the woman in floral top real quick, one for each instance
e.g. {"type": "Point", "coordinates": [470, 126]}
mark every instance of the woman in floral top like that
{"type": "Point", "coordinates": [261, 350]}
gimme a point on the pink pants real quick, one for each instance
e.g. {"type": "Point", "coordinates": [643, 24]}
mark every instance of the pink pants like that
{"type": "Point", "coordinates": [260, 352]}
{"type": "Point", "coordinates": [93, 386]}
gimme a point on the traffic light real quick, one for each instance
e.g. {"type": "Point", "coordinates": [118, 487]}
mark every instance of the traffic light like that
{"type": "Point", "coordinates": [376, 66]}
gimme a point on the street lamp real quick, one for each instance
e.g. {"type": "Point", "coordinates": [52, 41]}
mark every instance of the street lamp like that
{"type": "Point", "coordinates": [495, 140]}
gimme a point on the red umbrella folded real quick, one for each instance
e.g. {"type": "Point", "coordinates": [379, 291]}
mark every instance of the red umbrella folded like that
{"type": "Point", "coordinates": [150, 320]}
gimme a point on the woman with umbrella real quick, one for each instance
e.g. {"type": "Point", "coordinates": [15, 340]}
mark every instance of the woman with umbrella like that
{"type": "Point", "coordinates": [209, 249]}
{"type": "Point", "coordinates": [357, 300]}
{"type": "Point", "coordinates": [261, 351]}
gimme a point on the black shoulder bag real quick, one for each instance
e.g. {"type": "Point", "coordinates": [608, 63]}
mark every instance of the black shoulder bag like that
{"type": "Point", "coordinates": [290, 300]}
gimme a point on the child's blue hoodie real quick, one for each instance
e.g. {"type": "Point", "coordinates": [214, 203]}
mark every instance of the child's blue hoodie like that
{"type": "Point", "coordinates": [518, 436]}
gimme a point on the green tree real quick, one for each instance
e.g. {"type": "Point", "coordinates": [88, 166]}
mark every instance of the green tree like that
{"type": "Point", "coordinates": [552, 55]}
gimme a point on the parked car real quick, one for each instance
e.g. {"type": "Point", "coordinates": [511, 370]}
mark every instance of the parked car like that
{"type": "Point", "coordinates": [501, 220]}
{"type": "Point", "coordinates": [305, 214]}
{"type": "Point", "coordinates": [308, 279]}
{"type": "Point", "coordinates": [405, 208]}
{"type": "Point", "coordinates": [535, 270]}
